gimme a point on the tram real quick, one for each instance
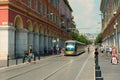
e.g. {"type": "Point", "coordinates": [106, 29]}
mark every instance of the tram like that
{"type": "Point", "coordinates": [73, 47]}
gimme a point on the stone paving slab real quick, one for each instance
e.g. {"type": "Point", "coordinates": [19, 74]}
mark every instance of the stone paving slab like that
{"type": "Point", "coordinates": [109, 71]}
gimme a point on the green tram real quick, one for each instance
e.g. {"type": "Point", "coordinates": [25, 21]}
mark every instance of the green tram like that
{"type": "Point", "coordinates": [73, 47]}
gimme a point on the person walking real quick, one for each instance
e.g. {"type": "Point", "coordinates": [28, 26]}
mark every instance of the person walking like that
{"type": "Point", "coordinates": [32, 56]}
{"type": "Point", "coordinates": [107, 51]}
{"type": "Point", "coordinates": [88, 49]}
{"type": "Point", "coordinates": [96, 56]}
{"type": "Point", "coordinates": [101, 49]}
{"type": "Point", "coordinates": [114, 59]}
{"type": "Point", "coordinates": [110, 51]}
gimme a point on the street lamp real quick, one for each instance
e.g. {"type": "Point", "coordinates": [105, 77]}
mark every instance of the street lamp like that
{"type": "Point", "coordinates": [49, 14]}
{"type": "Point", "coordinates": [115, 27]}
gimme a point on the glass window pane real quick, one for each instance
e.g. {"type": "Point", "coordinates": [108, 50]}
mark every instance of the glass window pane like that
{"type": "Point", "coordinates": [70, 46]}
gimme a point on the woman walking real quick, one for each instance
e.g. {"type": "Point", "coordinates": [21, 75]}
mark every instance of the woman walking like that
{"type": "Point", "coordinates": [114, 55]}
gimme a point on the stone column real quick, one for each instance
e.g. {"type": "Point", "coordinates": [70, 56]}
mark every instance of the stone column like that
{"type": "Point", "coordinates": [41, 43]}
{"type": "Point", "coordinates": [46, 44]}
{"type": "Point", "coordinates": [118, 41]}
{"type": "Point", "coordinates": [36, 42]}
{"type": "Point", "coordinates": [6, 44]}
{"type": "Point", "coordinates": [49, 42]}
{"type": "Point", "coordinates": [30, 39]}
{"type": "Point", "coordinates": [21, 41]}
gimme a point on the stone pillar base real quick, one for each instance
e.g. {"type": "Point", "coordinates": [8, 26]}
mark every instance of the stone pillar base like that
{"type": "Point", "coordinates": [3, 63]}
{"type": "Point", "coordinates": [3, 57]}
{"type": "Point", "coordinates": [3, 60]}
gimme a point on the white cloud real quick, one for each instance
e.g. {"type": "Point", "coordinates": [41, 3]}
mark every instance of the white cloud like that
{"type": "Point", "coordinates": [84, 13]}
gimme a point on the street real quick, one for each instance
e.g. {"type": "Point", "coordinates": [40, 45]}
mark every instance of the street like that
{"type": "Point", "coordinates": [55, 67]}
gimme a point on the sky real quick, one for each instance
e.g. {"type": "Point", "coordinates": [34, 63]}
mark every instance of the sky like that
{"type": "Point", "coordinates": [86, 15]}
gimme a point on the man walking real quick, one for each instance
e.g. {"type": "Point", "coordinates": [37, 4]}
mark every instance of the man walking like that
{"type": "Point", "coordinates": [96, 56]}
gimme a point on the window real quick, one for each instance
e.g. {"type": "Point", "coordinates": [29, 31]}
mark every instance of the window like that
{"type": "Point", "coordinates": [54, 3]}
{"type": "Point", "coordinates": [35, 4]}
{"type": "Point", "coordinates": [44, 10]}
{"type": "Point", "coordinates": [70, 46]}
{"type": "Point", "coordinates": [41, 8]}
{"type": "Point", "coordinates": [29, 3]}
{"type": "Point", "coordinates": [48, 13]}
{"type": "Point", "coordinates": [51, 16]}
{"type": "Point", "coordinates": [49, 1]}
{"type": "Point", "coordinates": [18, 0]}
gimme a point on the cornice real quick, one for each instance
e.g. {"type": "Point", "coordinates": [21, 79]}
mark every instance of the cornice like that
{"type": "Point", "coordinates": [32, 14]}
{"type": "Point", "coordinates": [67, 3]}
{"type": "Point", "coordinates": [4, 2]}
{"type": "Point", "coordinates": [101, 5]}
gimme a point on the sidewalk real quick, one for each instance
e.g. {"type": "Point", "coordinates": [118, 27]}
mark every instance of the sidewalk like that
{"type": "Point", "coordinates": [108, 70]}
{"type": "Point", "coordinates": [12, 62]}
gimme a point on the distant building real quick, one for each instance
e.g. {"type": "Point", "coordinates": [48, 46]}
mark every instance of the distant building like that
{"type": "Point", "coordinates": [90, 36]}
{"type": "Point", "coordinates": [110, 10]}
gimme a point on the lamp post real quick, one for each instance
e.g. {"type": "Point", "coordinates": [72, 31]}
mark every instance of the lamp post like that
{"type": "Point", "coordinates": [116, 36]}
{"type": "Point", "coordinates": [115, 27]}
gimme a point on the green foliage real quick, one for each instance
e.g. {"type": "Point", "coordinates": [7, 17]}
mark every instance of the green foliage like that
{"type": "Point", "coordinates": [98, 38]}
{"type": "Point", "coordinates": [81, 38]}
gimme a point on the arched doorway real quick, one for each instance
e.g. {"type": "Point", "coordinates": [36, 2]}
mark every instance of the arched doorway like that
{"type": "Point", "coordinates": [20, 44]}
{"type": "Point", "coordinates": [30, 33]}
{"type": "Point", "coordinates": [41, 40]}
{"type": "Point", "coordinates": [36, 38]}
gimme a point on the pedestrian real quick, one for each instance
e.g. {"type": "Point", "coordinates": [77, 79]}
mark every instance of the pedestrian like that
{"type": "Point", "coordinates": [58, 50]}
{"type": "Point", "coordinates": [96, 56]}
{"type": "Point", "coordinates": [101, 49]}
{"type": "Point", "coordinates": [62, 50]}
{"type": "Point", "coordinates": [88, 49]}
{"type": "Point", "coordinates": [26, 57]}
{"type": "Point", "coordinates": [31, 53]}
{"type": "Point", "coordinates": [114, 59]}
{"type": "Point", "coordinates": [107, 50]}
{"type": "Point", "coordinates": [110, 50]}
{"type": "Point", "coordinates": [52, 51]}
{"type": "Point", "coordinates": [55, 50]}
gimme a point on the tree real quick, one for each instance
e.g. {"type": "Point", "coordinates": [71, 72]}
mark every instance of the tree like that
{"type": "Point", "coordinates": [75, 36]}
{"type": "Point", "coordinates": [98, 38]}
{"type": "Point", "coordinates": [81, 38]}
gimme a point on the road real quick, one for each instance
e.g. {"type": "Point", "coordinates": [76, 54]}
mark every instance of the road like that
{"type": "Point", "coordinates": [53, 68]}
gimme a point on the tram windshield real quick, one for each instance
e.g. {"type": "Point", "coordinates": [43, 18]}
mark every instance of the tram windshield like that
{"type": "Point", "coordinates": [70, 46]}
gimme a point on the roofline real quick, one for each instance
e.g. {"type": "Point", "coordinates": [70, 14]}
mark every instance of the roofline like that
{"type": "Point", "coordinates": [67, 3]}
{"type": "Point", "coordinates": [101, 5]}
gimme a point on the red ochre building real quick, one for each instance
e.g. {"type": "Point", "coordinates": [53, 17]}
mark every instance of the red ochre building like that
{"type": "Point", "coordinates": [33, 22]}
{"type": "Point", "coordinates": [110, 10]}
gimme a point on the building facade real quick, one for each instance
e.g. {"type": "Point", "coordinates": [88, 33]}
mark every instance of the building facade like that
{"type": "Point", "coordinates": [31, 22]}
{"type": "Point", "coordinates": [110, 10]}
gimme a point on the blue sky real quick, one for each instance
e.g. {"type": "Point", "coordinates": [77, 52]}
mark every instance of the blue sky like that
{"type": "Point", "coordinates": [86, 15]}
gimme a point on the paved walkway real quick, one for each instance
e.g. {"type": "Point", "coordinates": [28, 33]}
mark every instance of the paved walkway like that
{"type": "Point", "coordinates": [108, 70]}
{"type": "Point", "coordinates": [12, 62]}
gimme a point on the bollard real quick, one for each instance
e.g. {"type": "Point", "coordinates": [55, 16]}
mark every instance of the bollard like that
{"type": "Point", "coordinates": [98, 73]}
{"type": "Point", "coordinates": [39, 56]}
{"type": "Point", "coordinates": [23, 59]}
{"type": "Point", "coordinates": [99, 78]}
{"type": "Point", "coordinates": [96, 60]}
{"type": "Point", "coordinates": [16, 59]}
{"type": "Point", "coordinates": [97, 67]}
{"type": "Point", "coordinates": [8, 61]}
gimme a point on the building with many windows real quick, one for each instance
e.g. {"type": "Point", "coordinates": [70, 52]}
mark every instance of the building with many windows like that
{"type": "Point", "coordinates": [33, 22]}
{"type": "Point", "coordinates": [110, 10]}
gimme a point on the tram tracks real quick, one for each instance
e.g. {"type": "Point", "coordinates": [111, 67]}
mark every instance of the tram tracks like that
{"type": "Point", "coordinates": [50, 68]}
{"type": "Point", "coordinates": [30, 69]}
